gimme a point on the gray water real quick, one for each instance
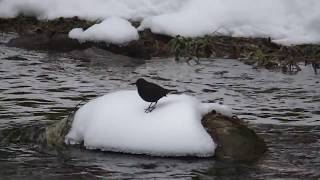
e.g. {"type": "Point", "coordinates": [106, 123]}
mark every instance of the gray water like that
{"type": "Point", "coordinates": [40, 88]}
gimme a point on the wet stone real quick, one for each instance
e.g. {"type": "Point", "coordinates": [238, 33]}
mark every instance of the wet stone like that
{"type": "Point", "coordinates": [235, 140]}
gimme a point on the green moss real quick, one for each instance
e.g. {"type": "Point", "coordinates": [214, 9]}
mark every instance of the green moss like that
{"type": "Point", "coordinates": [191, 48]}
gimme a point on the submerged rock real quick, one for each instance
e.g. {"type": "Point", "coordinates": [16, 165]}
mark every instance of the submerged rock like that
{"type": "Point", "coordinates": [23, 134]}
{"type": "Point", "coordinates": [235, 140]}
{"type": "Point", "coordinates": [54, 134]}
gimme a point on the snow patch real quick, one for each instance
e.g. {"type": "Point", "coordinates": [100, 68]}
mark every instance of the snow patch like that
{"type": "Point", "coordinates": [117, 122]}
{"type": "Point", "coordinates": [113, 30]}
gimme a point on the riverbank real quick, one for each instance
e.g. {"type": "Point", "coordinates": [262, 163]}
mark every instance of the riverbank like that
{"type": "Point", "coordinates": [52, 35]}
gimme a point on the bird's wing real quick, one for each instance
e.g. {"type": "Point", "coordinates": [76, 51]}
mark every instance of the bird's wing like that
{"type": "Point", "coordinates": [154, 87]}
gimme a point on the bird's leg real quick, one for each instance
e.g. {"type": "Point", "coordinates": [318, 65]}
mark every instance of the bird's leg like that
{"type": "Point", "coordinates": [153, 107]}
{"type": "Point", "coordinates": [148, 109]}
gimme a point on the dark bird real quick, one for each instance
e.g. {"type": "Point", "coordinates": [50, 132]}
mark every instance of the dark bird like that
{"type": "Point", "coordinates": [150, 92]}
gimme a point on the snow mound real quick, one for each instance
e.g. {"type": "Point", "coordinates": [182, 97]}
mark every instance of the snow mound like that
{"type": "Point", "coordinates": [113, 30]}
{"type": "Point", "coordinates": [117, 122]}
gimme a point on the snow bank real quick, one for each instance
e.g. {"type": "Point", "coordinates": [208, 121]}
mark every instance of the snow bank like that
{"type": "Point", "coordinates": [285, 21]}
{"type": "Point", "coordinates": [113, 30]}
{"type": "Point", "coordinates": [88, 9]}
{"type": "Point", "coordinates": [117, 122]}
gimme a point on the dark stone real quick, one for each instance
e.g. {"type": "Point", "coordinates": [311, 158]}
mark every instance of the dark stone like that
{"type": "Point", "coordinates": [47, 41]}
{"type": "Point", "coordinates": [60, 42]}
{"type": "Point", "coordinates": [235, 140]}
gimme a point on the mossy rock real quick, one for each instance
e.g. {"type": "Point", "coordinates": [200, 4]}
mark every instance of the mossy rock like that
{"type": "Point", "coordinates": [54, 134]}
{"type": "Point", "coordinates": [23, 134]}
{"type": "Point", "coordinates": [235, 140]}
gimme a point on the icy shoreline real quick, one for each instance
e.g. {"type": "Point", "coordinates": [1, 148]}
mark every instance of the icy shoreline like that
{"type": "Point", "coordinates": [53, 35]}
{"type": "Point", "coordinates": [284, 21]}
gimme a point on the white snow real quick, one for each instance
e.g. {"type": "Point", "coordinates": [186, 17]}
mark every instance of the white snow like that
{"type": "Point", "coordinates": [117, 122]}
{"type": "Point", "coordinates": [285, 21]}
{"type": "Point", "coordinates": [88, 9]}
{"type": "Point", "coordinates": [113, 30]}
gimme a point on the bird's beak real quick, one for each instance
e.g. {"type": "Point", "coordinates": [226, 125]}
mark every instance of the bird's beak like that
{"type": "Point", "coordinates": [133, 83]}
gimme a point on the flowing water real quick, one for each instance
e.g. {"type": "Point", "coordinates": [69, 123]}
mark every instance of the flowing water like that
{"type": "Point", "coordinates": [40, 88]}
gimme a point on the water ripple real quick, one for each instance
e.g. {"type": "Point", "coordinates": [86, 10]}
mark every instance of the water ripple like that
{"type": "Point", "coordinates": [41, 88]}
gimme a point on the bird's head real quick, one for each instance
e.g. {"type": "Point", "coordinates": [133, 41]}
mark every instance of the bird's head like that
{"type": "Point", "coordinates": [139, 82]}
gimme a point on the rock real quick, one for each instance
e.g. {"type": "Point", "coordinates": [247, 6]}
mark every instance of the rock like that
{"type": "Point", "coordinates": [54, 134]}
{"type": "Point", "coordinates": [49, 137]}
{"type": "Point", "coordinates": [46, 41]}
{"type": "Point", "coordinates": [60, 42]}
{"type": "Point", "coordinates": [235, 140]}
{"type": "Point", "coordinates": [23, 134]}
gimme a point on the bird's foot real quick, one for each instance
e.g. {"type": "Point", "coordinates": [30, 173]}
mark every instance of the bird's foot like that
{"type": "Point", "coordinates": [146, 110]}
{"type": "Point", "coordinates": [149, 109]}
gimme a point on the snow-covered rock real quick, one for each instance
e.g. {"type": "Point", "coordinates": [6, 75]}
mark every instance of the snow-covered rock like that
{"type": "Point", "coordinates": [117, 122]}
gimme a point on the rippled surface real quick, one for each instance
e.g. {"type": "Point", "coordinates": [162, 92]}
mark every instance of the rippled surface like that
{"type": "Point", "coordinates": [41, 88]}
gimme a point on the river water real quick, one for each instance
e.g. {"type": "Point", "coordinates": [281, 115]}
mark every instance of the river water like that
{"type": "Point", "coordinates": [40, 88]}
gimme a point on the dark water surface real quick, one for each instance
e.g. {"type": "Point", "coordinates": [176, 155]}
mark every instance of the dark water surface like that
{"type": "Point", "coordinates": [40, 88]}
